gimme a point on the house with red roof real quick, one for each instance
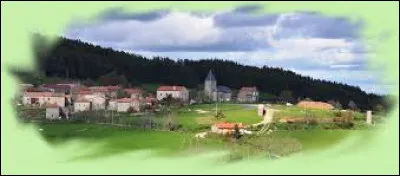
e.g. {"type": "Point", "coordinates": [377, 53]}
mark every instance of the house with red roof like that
{"type": "Point", "coordinates": [110, 91]}
{"type": "Point", "coordinates": [248, 94]}
{"type": "Point", "coordinates": [177, 92]}
{"type": "Point", "coordinates": [82, 104]}
{"type": "Point", "coordinates": [56, 88]}
{"type": "Point", "coordinates": [124, 104]}
{"type": "Point", "coordinates": [43, 98]}
{"type": "Point", "coordinates": [134, 92]}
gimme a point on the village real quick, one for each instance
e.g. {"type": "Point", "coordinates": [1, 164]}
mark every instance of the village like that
{"type": "Point", "coordinates": [63, 100]}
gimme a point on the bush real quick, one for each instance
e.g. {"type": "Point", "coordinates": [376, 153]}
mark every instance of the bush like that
{"type": "Point", "coordinates": [219, 115]}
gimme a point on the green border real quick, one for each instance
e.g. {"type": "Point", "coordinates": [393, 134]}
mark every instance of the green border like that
{"type": "Point", "coordinates": [23, 152]}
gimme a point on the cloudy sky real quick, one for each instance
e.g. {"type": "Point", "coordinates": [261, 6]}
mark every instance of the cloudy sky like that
{"type": "Point", "coordinates": [307, 43]}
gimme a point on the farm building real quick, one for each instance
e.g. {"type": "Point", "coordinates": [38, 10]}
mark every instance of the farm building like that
{"type": "Point", "coordinates": [315, 105]}
{"type": "Point", "coordinates": [247, 94]}
{"type": "Point", "coordinates": [134, 93]}
{"type": "Point", "coordinates": [224, 93]}
{"type": "Point", "coordinates": [110, 91]}
{"type": "Point", "coordinates": [124, 104]}
{"type": "Point", "coordinates": [178, 92]}
{"type": "Point", "coordinates": [43, 98]}
{"type": "Point", "coordinates": [82, 104]}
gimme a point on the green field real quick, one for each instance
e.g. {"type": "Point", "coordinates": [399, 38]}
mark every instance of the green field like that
{"type": "Point", "coordinates": [194, 119]}
{"type": "Point", "coordinates": [117, 140]}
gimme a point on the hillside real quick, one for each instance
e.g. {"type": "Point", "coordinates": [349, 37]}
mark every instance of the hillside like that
{"type": "Point", "coordinates": [75, 59]}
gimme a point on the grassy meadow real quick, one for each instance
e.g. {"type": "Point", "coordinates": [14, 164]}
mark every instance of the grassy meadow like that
{"type": "Point", "coordinates": [198, 118]}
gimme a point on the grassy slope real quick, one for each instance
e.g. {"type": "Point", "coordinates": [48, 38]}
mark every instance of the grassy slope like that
{"type": "Point", "coordinates": [117, 140]}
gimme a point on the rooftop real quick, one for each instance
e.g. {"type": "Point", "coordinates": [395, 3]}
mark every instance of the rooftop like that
{"type": "Point", "coordinates": [171, 88]}
{"type": "Point", "coordinates": [249, 89]}
{"type": "Point", "coordinates": [223, 89]}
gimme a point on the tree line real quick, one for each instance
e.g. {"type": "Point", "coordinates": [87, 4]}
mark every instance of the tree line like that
{"type": "Point", "coordinates": [78, 60]}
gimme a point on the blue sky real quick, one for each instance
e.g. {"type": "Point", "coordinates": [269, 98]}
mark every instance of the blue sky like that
{"type": "Point", "coordinates": [307, 43]}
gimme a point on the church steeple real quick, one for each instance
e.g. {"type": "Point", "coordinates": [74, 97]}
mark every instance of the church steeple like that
{"type": "Point", "coordinates": [210, 76]}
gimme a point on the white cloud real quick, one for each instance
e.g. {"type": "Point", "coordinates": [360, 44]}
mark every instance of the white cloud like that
{"type": "Point", "coordinates": [311, 48]}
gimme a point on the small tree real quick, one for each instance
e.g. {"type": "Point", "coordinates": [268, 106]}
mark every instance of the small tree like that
{"type": "Point", "coordinates": [131, 110]}
{"type": "Point", "coordinates": [220, 115]}
{"type": "Point", "coordinates": [338, 105]}
{"type": "Point", "coordinates": [379, 108]}
{"type": "Point", "coordinates": [122, 94]}
{"type": "Point", "coordinates": [352, 105]}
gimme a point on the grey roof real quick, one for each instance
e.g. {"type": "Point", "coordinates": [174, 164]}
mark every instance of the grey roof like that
{"type": "Point", "coordinates": [223, 89]}
{"type": "Point", "coordinates": [210, 76]}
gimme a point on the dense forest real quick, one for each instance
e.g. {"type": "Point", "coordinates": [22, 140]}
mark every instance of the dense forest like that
{"type": "Point", "coordinates": [75, 59]}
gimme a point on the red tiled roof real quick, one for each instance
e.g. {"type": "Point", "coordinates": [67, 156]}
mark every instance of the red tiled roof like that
{"type": "Point", "coordinates": [44, 94]}
{"type": "Point", "coordinates": [126, 100]}
{"type": "Point", "coordinates": [84, 92]}
{"type": "Point", "coordinates": [55, 86]}
{"type": "Point", "coordinates": [171, 88]}
{"type": "Point", "coordinates": [133, 90]}
{"type": "Point", "coordinates": [104, 88]}
{"type": "Point", "coordinates": [32, 89]}
{"type": "Point", "coordinates": [82, 100]}
{"type": "Point", "coordinates": [228, 125]}
{"type": "Point", "coordinates": [249, 89]}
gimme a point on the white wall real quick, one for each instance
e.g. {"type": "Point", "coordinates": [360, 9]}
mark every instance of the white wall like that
{"type": "Point", "coordinates": [81, 106]}
{"type": "Point", "coordinates": [60, 101]}
{"type": "Point", "coordinates": [183, 95]}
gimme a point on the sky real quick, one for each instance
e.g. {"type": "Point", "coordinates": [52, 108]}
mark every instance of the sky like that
{"type": "Point", "coordinates": [307, 43]}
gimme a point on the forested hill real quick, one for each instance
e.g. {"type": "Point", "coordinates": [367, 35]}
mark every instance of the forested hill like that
{"type": "Point", "coordinates": [75, 59]}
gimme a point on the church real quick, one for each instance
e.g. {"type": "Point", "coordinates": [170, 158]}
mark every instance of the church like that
{"type": "Point", "coordinates": [214, 92]}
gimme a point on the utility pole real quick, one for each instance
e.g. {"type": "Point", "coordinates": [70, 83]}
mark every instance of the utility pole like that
{"type": "Point", "coordinates": [216, 108]}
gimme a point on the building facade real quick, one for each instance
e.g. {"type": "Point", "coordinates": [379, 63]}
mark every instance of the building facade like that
{"type": "Point", "coordinates": [53, 112]}
{"type": "Point", "coordinates": [124, 104]}
{"type": "Point", "coordinates": [248, 94]}
{"type": "Point", "coordinates": [43, 98]}
{"type": "Point", "coordinates": [224, 93]}
{"type": "Point", "coordinates": [177, 92]}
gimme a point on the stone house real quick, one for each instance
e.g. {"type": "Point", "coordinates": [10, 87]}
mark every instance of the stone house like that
{"type": "Point", "coordinates": [82, 104]}
{"type": "Point", "coordinates": [248, 94]}
{"type": "Point", "coordinates": [177, 92]}
{"type": "Point", "coordinates": [124, 104]}
{"type": "Point", "coordinates": [98, 101]}
{"type": "Point", "coordinates": [224, 93]}
{"type": "Point", "coordinates": [43, 98]}
{"type": "Point", "coordinates": [110, 91]}
{"type": "Point", "coordinates": [134, 93]}
{"type": "Point", "coordinates": [52, 111]}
